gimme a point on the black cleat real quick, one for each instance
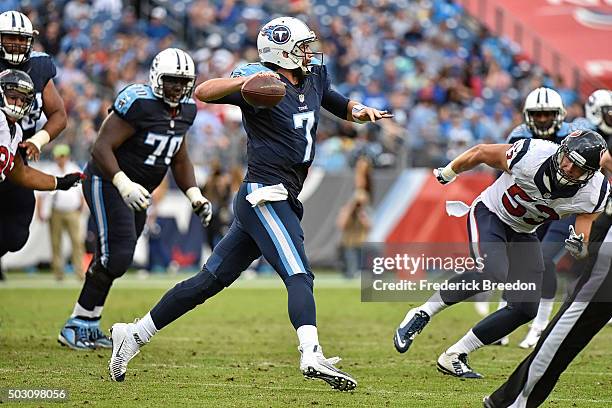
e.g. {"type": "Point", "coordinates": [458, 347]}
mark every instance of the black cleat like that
{"type": "Point", "coordinates": [405, 335]}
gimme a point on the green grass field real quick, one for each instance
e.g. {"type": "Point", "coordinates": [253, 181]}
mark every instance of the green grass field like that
{"type": "Point", "coordinates": [239, 349]}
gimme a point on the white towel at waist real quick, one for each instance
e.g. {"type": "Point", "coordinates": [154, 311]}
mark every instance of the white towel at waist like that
{"type": "Point", "coordinates": [277, 192]}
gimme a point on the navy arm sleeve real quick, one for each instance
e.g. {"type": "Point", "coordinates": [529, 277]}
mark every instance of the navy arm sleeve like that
{"type": "Point", "coordinates": [232, 99]}
{"type": "Point", "coordinates": [332, 100]}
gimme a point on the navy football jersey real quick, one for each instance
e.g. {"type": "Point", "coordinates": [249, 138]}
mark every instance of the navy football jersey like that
{"type": "Point", "coordinates": [41, 68]}
{"type": "Point", "coordinates": [522, 131]}
{"type": "Point", "coordinates": [145, 156]}
{"type": "Point", "coordinates": [281, 140]}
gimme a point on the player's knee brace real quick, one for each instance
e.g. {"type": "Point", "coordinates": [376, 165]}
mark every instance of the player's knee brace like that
{"type": "Point", "coordinates": [119, 260]}
{"type": "Point", "coordinates": [99, 277]}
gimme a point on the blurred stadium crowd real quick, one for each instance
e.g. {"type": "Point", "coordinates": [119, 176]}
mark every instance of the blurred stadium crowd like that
{"type": "Point", "coordinates": [448, 81]}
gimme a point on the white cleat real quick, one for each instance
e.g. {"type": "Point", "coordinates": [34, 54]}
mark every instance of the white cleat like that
{"type": "Point", "coordinates": [532, 338]}
{"type": "Point", "coordinates": [315, 366]}
{"type": "Point", "coordinates": [126, 345]}
{"type": "Point", "coordinates": [457, 365]}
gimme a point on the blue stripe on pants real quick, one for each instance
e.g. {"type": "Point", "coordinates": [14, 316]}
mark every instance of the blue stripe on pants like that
{"type": "Point", "coordinates": [100, 213]}
{"type": "Point", "coordinates": [275, 234]}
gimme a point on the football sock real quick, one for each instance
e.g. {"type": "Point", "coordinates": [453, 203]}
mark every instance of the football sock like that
{"type": "Point", "coordinates": [84, 314]}
{"type": "Point", "coordinates": [145, 328]}
{"type": "Point", "coordinates": [544, 311]}
{"type": "Point", "coordinates": [466, 345]}
{"type": "Point", "coordinates": [502, 303]}
{"type": "Point", "coordinates": [308, 337]}
{"type": "Point", "coordinates": [433, 306]}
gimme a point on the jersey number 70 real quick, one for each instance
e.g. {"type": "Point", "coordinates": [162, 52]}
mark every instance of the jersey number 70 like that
{"type": "Point", "coordinates": [160, 142]}
{"type": "Point", "coordinates": [548, 214]}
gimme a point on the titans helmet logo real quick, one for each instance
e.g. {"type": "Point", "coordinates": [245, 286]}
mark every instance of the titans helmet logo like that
{"type": "Point", "coordinates": [278, 34]}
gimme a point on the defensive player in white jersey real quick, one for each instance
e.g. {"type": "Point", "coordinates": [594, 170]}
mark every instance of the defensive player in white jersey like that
{"type": "Point", "coordinates": [16, 98]}
{"type": "Point", "coordinates": [542, 182]}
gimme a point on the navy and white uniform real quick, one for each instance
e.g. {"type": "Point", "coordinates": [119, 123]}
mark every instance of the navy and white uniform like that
{"type": "Point", "coordinates": [144, 158]}
{"type": "Point", "coordinates": [552, 235]}
{"type": "Point", "coordinates": [502, 224]}
{"type": "Point", "coordinates": [280, 149]}
{"type": "Point", "coordinates": [17, 204]}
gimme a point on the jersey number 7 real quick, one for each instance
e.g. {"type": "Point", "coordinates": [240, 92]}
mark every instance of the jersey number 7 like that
{"type": "Point", "coordinates": [298, 123]}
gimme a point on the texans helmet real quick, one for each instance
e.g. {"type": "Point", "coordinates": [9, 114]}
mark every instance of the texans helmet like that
{"type": "Point", "coordinates": [15, 84]}
{"type": "Point", "coordinates": [584, 149]}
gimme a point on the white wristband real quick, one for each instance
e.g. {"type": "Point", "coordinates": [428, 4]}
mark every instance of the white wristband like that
{"type": "Point", "coordinates": [194, 195]}
{"type": "Point", "coordinates": [120, 179]}
{"type": "Point", "coordinates": [448, 173]}
{"type": "Point", "coordinates": [356, 109]}
{"type": "Point", "coordinates": [40, 139]}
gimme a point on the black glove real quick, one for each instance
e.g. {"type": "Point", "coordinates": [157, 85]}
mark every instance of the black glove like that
{"type": "Point", "coordinates": [68, 181]}
{"type": "Point", "coordinates": [203, 209]}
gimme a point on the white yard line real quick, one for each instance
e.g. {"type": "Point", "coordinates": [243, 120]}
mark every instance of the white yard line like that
{"type": "Point", "coordinates": [166, 282]}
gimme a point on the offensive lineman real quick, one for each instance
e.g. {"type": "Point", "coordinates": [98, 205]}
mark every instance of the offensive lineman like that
{"type": "Point", "coordinates": [541, 182]}
{"type": "Point", "coordinates": [142, 136]}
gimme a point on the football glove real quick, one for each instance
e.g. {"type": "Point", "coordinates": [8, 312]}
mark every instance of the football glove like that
{"type": "Point", "coordinates": [68, 181]}
{"type": "Point", "coordinates": [134, 195]}
{"type": "Point", "coordinates": [201, 206]}
{"type": "Point", "coordinates": [575, 244]}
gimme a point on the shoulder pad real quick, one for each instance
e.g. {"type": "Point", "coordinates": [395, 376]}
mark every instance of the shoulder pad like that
{"type": "Point", "coordinates": [131, 93]}
{"type": "Point", "coordinates": [39, 54]}
{"type": "Point", "coordinates": [518, 133]}
{"type": "Point", "coordinates": [248, 69]}
{"type": "Point", "coordinates": [581, 123]}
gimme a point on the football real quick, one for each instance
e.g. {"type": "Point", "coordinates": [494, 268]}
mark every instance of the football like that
{"type": "Point", "coordinates": [263, 91]}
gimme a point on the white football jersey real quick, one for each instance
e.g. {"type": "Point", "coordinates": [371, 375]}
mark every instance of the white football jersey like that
{"type": "Point", "coordinates": [8, 146]}
{"type": "Point", "coordinates": [518, 201]}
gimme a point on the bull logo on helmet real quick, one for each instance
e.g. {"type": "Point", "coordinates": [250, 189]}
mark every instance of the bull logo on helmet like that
{"type": "Point", "coordinates": [278, 34]}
